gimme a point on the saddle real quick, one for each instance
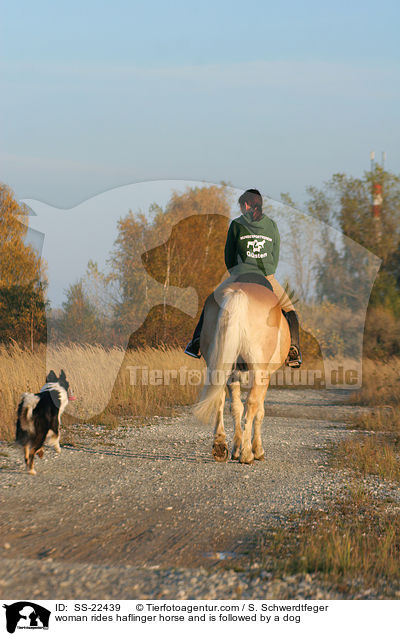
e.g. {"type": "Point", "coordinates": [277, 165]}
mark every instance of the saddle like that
{"type": "Point", "coordinates": [254, 277]}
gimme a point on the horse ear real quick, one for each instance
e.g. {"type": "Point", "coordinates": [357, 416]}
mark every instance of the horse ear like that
{"type": "Point", "coordinates": [62, 375]}
{"type": "Point", "coordinates": [51, 377]}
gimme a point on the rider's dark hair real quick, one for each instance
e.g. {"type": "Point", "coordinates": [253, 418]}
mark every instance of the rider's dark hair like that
{"type": "Point", "coordinates": [252, 197]}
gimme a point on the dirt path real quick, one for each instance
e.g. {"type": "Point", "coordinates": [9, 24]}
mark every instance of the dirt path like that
{"type": "Point", "coordinates": [146, 511]}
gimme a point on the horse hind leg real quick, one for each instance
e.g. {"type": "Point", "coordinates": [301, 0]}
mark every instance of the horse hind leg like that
{"type": "Point", "coordinates": [254, 407]}
{"type": "Point", "coordinates": [257, 446]}
{"type": "Point", "coordinates": [237, 409]}
{"type": "Point", "coordinates": [220, 448]}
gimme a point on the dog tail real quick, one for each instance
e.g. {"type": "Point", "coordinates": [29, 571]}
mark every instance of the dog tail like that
{"type": "Point", "coordinates": [25, 424]}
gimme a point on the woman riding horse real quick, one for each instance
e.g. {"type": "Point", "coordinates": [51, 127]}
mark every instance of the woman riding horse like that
{"type": "Point", "coordinates": [252, 255]}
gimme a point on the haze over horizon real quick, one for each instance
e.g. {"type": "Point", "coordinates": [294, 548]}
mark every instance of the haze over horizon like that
{"type": "Point", "coordinates": [256, 95]}
{"type": "Point", "coordinates": [96, 96]}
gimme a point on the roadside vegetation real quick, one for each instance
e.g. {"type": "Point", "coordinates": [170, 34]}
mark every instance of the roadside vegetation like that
{"type": "Point", "coordinates": [376, 450]}
{"type": "Point", "coordinates": [381, 384]}
{"type": "Point", "coordinates": [354, 542]}
{"type": "Point", "coordinates": [103, 383]}
{"type": "Point", "coordinates": [352, 545]}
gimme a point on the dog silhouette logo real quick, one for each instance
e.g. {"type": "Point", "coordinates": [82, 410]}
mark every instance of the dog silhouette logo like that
{"type": "Point", "coordinates": [26, 615]}
{"type": "Point", "coordinates": [256, 245]}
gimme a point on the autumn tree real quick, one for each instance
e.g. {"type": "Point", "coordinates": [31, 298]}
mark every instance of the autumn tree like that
{"type": "Point", "coordinates": [181, 246]}
{"type": "Point", "coordinates": [343, 272]}
{"type": "Point", "coordinates": [79, 321]}
{"type": "Point", "coordinates": [346, 203]}
{"type": "Point", "coordinates": [22, 281]}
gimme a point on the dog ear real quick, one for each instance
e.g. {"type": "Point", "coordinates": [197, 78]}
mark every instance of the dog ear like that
{"type": "Point", "coordinates": [51, 377]}
{"type": "Point", "coordinates": [62, 375]}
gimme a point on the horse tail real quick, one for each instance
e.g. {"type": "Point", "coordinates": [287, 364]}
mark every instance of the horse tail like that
{"type": "Point", "coordinates": [230, 336]}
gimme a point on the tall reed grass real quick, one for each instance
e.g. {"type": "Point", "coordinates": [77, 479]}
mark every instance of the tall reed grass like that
{"type": "Point", "coordinates": [101, 379]}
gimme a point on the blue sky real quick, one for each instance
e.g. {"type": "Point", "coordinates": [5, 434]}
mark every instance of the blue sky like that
{"type": "Point", "coordinates": [258, 94]}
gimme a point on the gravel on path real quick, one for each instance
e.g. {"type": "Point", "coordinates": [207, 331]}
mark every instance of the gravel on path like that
{"type": "Point", "coordinates": [146, 512]}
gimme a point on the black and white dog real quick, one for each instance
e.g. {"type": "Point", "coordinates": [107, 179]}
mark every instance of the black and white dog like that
{"type": "Point", "coordinates": [38, 417]}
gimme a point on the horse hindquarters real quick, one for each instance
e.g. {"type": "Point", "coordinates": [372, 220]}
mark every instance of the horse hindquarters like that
{"type": "Point", "coordinates": [230, 333]}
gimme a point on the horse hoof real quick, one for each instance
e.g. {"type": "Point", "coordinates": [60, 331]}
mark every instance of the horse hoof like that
{"type": "Point", "coordinates": [244, 460]}
{"type": "Point", "coordinates": [40, 453]}
{"type": "Point", "coordinates": [261, 458]}
{"type": "Point", "coordinates": [220, 452]}
{"type": "Point", "coordinates": [235, 456]}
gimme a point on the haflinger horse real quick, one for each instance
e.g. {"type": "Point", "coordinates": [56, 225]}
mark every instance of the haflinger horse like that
{"type": "Point", "coordinates": [243, 323]}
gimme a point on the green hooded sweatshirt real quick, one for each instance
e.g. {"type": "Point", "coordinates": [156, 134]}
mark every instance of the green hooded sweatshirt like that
{"type": "Point", "coordinates": [252, 246]}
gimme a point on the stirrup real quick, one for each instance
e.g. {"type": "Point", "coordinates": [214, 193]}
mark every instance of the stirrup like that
{"type": "Point", "coordinates": [297, 359]}
{"type": "Point", "coordinates": [192, 349]}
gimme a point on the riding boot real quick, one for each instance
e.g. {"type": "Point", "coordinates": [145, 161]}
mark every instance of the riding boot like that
{"type": "Point", "coordinates": [193, 347]}
{"type": "Point", "coordinates": [294, 358]}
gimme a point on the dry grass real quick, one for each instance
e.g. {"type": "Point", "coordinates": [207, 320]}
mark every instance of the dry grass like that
{"type": "Point", "coordinates": [101, 381]}
{"type": "Point", "coordinates": [370, 456]}
{"type": "Point", "coordinates": [20, 371]}
{"type": "Point", "coordinates": [105, 379]}
{"type": "Point", "coordinates": [378, 453]}
{"type": "Point", "coordinates": [383, 419]}
{"type": "Point", "coordinates": [359, 537]}
{"type": "Point", "coordinates": [356, 538]}
{"type": "Point", "coordinates": [381, 384]}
